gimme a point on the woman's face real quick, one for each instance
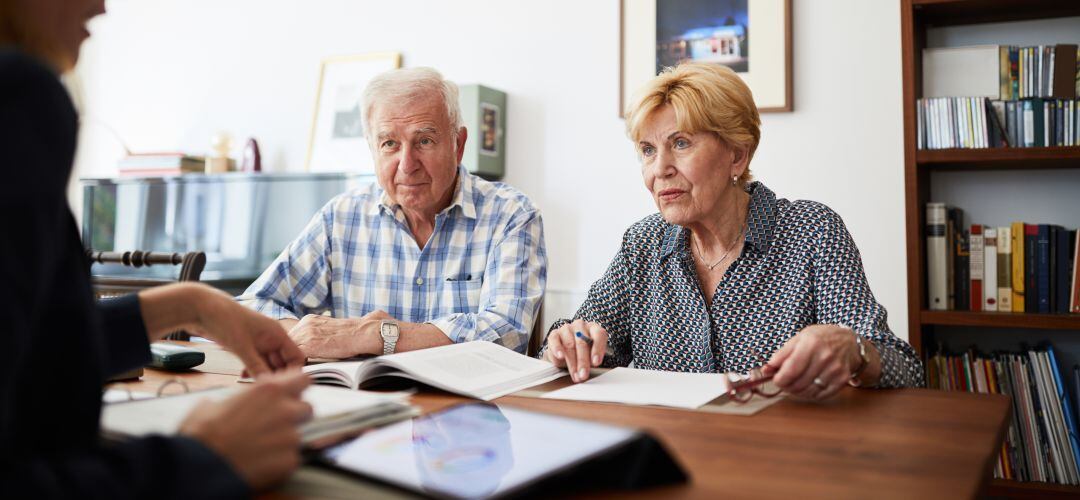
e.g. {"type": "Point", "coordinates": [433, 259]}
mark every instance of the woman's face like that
{"type": "Point", "coordinates": [689, 175]}
{"type": "Point", "coordinates": [63, 21]}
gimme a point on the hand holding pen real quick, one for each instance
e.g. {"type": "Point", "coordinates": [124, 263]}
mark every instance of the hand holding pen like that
{"type": "Point", "coordinates": [578, 346]}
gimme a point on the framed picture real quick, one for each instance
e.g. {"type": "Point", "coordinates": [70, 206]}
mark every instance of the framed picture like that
{"type": "Point", "coordinates": [337, 143]}
{"type": "Point", "coordinates": [489, 129]}
{"type": "Point", "coordinates": [752, 37]}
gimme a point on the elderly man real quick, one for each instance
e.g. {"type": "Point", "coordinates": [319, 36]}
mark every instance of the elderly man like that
{"type": "Point", "coordinates": [429, 256]}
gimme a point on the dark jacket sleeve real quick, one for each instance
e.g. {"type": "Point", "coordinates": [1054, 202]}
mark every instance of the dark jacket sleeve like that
{"type": "Point", "coordinates": [151, 467]}
{"type": "Point", "coordinates": [55, 352]}
{"type": "Point", "coordinates": [127, 344]}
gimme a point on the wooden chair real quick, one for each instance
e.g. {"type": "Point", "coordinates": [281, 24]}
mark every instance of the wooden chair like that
{"type": "Point", "coordinates": [536, 339]}
{"type": "Point", "coordinates": [191, 266]}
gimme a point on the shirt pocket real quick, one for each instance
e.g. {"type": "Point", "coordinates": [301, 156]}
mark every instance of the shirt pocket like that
{"type": "Point", "coordinates": [460, 295]}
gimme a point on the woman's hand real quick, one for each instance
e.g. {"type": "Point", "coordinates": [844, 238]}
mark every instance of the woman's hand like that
{"type": "Point", "coordinates": [818, 361]}
{"type": "Point", "coordinates": [566, 349]}
{"type": "Point", "coordinates": [255, 431]}
{"type": "Point", "coordinates": [260, 342]}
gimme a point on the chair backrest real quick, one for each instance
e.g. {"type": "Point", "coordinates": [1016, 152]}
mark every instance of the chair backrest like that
{"type": "Point", "coordinates": [536, 339]}
{"type": "Point", "coordinates": [191, 267]}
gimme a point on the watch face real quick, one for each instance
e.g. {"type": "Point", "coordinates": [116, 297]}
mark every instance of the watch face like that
{"type": "Point", "coordinates": [389, 331]}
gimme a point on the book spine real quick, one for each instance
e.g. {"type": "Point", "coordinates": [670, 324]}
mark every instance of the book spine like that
{"type": "Point", "coordinates": [1029, 125]}
{"type": "Point", "coordinates": [1004, 270]}
{"type": "Point", "coordinates": [1031, 289]}
{"type": "Point", "coordinates": [962, 270]}
{"type": "Point", "coordinates": [1074, 304]}
{"type": "Point", "coordinates": [937, 288]}
{"type": "Point", "coordinates": [975, 268]}
{"type": "Point", "coordinates": [1016, 233]}
{"type": "Point", "coordinates": [1042, 268]}
{"type": "Point", "coordinates": [1063, 270]}
{"type": "Point", "coordinates": [990, 290]}
{"type": "Point", "coordinates": [1054, 233]}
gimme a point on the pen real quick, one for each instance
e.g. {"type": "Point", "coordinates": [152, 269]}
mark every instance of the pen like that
{"type": "Point", "coordinates": [586, 338]}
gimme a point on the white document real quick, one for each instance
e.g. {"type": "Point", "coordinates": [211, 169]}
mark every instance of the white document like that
{"type": "Point", "coordinates": [648, 387]}
{"type": "Point", "coordinates": [334, 409]}
{"type": "Point", "coordinates": [478, 369]}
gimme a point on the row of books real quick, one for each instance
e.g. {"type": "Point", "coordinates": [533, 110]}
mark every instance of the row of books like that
{"type": "Point", "coordinates": [979, 122]}
{"type": "Point", "coordinates": [160, 165]}
{"type": "Point", "coordinates": [1022, 267]}
{"type": "Point", "coordinates": [1002, 72]}
{"type": "Point", "coordinates": [1041, 441]}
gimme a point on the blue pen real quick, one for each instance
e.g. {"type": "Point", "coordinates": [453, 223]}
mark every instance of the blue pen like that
{"type": "Point", "coordinates": [586, 338]}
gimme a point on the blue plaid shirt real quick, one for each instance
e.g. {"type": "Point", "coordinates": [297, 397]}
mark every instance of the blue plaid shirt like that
{"type": "Point", "coordinates": [481, 276]}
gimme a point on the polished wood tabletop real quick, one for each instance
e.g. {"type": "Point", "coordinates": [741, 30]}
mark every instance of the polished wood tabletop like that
{"type": "Point", "coordinates": [864, 443]}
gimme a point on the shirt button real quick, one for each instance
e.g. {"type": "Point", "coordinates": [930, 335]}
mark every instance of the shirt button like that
{"type": "Point", "coordinates": [419, 281]}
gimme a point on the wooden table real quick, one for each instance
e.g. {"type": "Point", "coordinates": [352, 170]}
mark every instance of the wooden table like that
{"type": "Point", "coordinates": [909, 443]}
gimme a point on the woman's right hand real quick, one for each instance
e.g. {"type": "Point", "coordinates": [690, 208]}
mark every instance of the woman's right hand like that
{"type": "Point", "coordinates": [256, 431]}
{"type": "Point", "coordinates": [565, 349]}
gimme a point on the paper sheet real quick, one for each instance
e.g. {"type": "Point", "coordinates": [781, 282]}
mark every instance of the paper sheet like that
{"type": "Point", "coordinates": [648, 387]}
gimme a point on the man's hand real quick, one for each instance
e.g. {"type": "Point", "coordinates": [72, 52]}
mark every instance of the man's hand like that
{"type": "Point", "coordinates": [325, 337]}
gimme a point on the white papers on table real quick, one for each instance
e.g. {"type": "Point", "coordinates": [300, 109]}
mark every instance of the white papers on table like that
{"type": "Point", "coordinates": [648, 387]}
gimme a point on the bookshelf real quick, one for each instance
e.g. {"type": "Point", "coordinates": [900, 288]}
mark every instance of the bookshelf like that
{"type": "Point", "coordinates": [917, 17]}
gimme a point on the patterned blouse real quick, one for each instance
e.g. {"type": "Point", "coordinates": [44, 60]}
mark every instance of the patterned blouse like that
{"type": "Point", "coordinates": [799, 267]}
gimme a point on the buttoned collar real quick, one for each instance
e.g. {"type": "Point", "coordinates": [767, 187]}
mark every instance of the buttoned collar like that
{"type": "Point", "coordinates": [464, 197]}
{"type": "Point", "coordinates": [760, 223]}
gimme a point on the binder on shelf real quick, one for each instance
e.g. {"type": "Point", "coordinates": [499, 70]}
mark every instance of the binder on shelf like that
{"type": "Point", "coordinates": [936, 259]}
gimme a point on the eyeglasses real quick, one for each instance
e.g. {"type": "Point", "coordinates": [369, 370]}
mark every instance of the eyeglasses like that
{"type": "Point", "coordinates": [756, 382]}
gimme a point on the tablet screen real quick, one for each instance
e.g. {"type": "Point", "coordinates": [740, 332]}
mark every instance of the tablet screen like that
{"type": "Point", "coordinates": [474, 450]}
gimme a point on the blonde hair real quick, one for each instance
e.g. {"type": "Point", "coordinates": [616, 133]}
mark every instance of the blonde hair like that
{"type": "Point", "coordinates": [16, 31]}
{"type": "Point", "coordinates": [706, 98]}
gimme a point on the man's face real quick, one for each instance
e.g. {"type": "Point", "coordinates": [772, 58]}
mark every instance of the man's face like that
{"type": "Point", "coordinates": [415, 151]}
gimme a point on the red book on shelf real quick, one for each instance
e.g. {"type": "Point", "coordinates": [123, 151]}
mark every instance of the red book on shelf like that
{"type": "Point", "coordinates": [976, 261]}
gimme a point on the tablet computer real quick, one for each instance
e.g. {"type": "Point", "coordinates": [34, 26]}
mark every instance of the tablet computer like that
{"type": "Point", "coordinates": [475, 450]}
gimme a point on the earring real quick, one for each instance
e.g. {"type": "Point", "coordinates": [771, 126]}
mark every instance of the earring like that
{"type": "Point", "coordinates": [734, 180]}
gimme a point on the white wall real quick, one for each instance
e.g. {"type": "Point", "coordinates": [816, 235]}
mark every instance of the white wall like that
{"type": "Point", "coordinates": [168, 74]}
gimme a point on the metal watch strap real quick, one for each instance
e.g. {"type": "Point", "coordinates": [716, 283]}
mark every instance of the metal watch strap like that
{"type": "Point", "coordinates": [864, 361]}
{"type": "Point", "coordinates": [389, 332]}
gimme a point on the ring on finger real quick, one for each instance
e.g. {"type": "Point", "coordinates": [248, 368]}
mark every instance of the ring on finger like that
{"type": "Point", "coordinates": [820, 383]}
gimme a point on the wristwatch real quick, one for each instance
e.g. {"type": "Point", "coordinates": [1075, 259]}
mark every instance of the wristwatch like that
{"type": "Point", "coordinates": [390, 333]}
{"type": "Point", "coordinates": [864, 361]}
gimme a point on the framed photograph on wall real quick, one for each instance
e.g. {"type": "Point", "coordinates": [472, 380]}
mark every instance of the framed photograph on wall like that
{"type": "Point", "coordinates": [752, 37]}
{"type": "Point", "coordinates": [336, 143]}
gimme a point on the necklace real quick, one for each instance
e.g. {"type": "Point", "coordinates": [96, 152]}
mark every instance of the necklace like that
{"type": "Point", "coordinates": [731, 246]}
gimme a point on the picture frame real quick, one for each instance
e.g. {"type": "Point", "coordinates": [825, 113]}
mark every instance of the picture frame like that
{"type": "Point", "coordinates": [336, 142]}
{"type": "Point", "coordinates": [754, 39]}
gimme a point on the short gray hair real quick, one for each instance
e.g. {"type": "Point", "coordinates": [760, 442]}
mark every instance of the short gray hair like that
{"type": "Point", "coordinates": [406, 83]}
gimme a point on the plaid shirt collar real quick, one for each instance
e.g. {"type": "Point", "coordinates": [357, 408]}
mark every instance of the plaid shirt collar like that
{"type": "Point", "coordinates": [464, 198]}
{"type": "Point", "coordinates": [760, 223]}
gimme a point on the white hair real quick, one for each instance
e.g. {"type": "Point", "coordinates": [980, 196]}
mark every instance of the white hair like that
{"type": "Point", "coordinates": [410, 83]}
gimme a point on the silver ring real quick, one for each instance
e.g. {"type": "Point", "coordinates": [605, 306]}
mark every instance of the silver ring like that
{"type": "Point", "coordinates": [820, 383]}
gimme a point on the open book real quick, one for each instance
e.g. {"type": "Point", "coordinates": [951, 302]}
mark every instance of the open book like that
{"type": "Point", "coordinates": [479, 369]}
{"type": "Point", "coordinates": [336, 412]}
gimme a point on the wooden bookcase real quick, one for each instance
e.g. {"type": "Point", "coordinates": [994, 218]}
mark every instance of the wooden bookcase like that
{"type": "Point", "coordinates": [917, 16]}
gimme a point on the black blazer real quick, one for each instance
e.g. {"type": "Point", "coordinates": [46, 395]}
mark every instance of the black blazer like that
{"type": "Point", "coordinates": [56, 344]}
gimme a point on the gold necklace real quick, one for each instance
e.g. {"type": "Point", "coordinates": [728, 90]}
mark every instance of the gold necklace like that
{"type": "Point", "coordinates": [731, 246]}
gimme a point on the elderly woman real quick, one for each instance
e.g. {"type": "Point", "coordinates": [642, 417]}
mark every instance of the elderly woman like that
{"type": "Point", "coordinates": [728, 273]}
